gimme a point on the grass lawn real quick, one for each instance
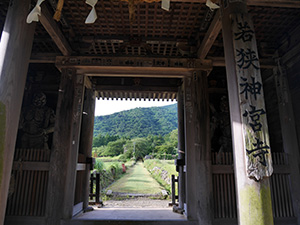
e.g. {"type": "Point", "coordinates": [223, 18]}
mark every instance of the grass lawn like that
{"type": "Point", "coordinates": [137, 181]}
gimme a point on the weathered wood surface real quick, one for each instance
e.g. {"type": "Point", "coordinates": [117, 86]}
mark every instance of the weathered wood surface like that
{"type": "Point", "coordinates": [86, 138]}
{"type": "Point", "coordinates": [210, 36]}
{"type": "Point", "coordinates": [54, 31]}
{"type": "Point", "coordinates": [133, 66]}
{"type": "Point", "coordinates": [288, 131]}
{"type": "Point", "coordinates": [15, 49]}
{"type": "Point", "coordinates": [224, 188]}
{"type": "Point", "coordinates": [28, 186]}
{"type": "Point", "coordinates": [181, 150]}
{"type": "Point", "coordinates": [197, 148]}
{"type": "Point", "coordinates": [250, 193]}
{"type": "Point", "coordinates": [64, 154]}
{"type": "Point", "coordinates": [251, 99]}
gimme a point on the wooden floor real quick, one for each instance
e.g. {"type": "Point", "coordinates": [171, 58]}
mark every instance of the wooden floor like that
{"type": "Point", "coordinates": [126, 216]}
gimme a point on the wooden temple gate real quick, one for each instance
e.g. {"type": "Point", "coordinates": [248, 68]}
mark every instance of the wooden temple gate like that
{"type": "Point", "coordinates": [74, 63]}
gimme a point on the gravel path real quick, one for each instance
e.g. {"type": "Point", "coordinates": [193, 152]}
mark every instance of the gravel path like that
{"type": "Point", "coordinates": [140, 202]}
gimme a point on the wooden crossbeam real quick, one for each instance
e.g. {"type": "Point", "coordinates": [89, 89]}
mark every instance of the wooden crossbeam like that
{"type": "Point", "coordinates": [133, 66]}
{"type": "Point", "coordinates": [265, 63]}
{"type": "Point", "coordinates": [266, 3]}
{"type": "Point", "coordinates": [210, 36]}
{"type": "Point", "coordinates": [275, 3]}
{"type": "Point", "coordinates": [54, 31]}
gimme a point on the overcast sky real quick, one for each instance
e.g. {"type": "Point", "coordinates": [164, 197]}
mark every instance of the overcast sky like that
{"type": "Point", "coordinates": [107, 107]}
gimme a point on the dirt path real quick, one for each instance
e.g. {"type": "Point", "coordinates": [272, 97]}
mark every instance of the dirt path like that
{"type": "Point", "coordinates": [140, 202]}
{"type": "Point", "coordinates": [137, 181]}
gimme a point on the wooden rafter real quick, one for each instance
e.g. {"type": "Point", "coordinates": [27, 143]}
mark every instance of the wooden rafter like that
{"type": "Point", "coordinates": [210, 37]}
{"type": "Point", "coordinates": [54, 31]}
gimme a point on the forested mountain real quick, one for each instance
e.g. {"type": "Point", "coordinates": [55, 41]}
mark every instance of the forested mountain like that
{"type": "Point", "coordinates": [139, 122]}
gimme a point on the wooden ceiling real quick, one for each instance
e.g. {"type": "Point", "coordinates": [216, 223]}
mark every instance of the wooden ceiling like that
{"type": "Point", "coordinates": [188, 30]}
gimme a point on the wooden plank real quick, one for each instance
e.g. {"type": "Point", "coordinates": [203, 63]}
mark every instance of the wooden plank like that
{"type": "Point", "coordinates": [54, 31]}
{"type": "Point", "coordinates": [81, 166]}
{"type": "Point", "coordinates": [210, 36]}
{"type": "Point", "coordinates": [33, 166]}
{"type": "Point", "coordinates": [222, 169]}
{"type": "Point", "coordinates": [15, 49]}
{"type": "Point", "coordinates": [77, 208]}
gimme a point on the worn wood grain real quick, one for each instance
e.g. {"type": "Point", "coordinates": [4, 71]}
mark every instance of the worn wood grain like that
{"type": "Point", "coordinates": [15, 49]}
{"type": "Point", "coordinates": [64, 154]}
{"type": "Point", "coordinates": [197, 148]}
{"type": "Point", "coordinates": [87, 138]}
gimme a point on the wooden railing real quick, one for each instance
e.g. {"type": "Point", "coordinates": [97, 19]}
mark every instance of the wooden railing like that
{"type": "Point", "coordinates": [224, 192]}
{"type": "Point", "coordinates": [29, 181]}
{"type": "Point", "coordinates": [98, 181]}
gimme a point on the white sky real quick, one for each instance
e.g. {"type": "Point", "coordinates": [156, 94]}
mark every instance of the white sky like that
{"type": "Point", "coordinates": [107, 107]}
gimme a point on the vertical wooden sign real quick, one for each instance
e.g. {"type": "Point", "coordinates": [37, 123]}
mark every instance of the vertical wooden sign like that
{"type": "Point", "coordinates": [251, 98]}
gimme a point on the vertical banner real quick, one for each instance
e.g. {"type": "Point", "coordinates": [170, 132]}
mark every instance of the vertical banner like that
{"type": "Point", "coordinates": [251, 98]}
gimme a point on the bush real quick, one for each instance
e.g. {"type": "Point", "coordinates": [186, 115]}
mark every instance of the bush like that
{"type": "Point", "coordinates": [99, 165]}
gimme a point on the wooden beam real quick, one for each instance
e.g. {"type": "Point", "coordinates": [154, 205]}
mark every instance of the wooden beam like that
{"type": "Point", "coordinates": [265, 3]}
{"type": "Point", "coordinates": [35, 166]}
{"type": "Point", "coordinates": [265, 63]}
{"type": "Point", "coordinates": [275, 3]}
{"type": "Point", "coordinates": [133, 66]}
{"type": "Point", "coordinates": [210, 36]}
{"type": "Point", "coordinates": [43, 58]}
{"type": "Point", "coordinates": [15, 48]}
{"type": "Point", "coordinates": [54, 31]}
{"type": "Point", "coordinates": [87, 83]}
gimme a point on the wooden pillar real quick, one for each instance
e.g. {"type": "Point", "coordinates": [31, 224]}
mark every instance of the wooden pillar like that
{"type": "Point", "coordinates": [86, 139]}
{"type": "Point", "coordinates": [252, 156]}
{"type": "Point", "coordinates": [289, 134]}
{"type": "Point", "coordinates": [15, 49]}
{"type": "Point", "coordinates": [63, 161]}
{"type": "Point", "coordinates": [180, 163]}
{"type": "Point", "coordinates": [197, 148]}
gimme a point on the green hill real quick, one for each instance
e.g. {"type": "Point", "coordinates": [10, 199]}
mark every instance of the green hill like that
{"type": "Point", "coordinates": [139, 122]}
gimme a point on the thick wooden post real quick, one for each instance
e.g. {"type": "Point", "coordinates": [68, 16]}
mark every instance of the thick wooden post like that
{"type": "Point", "coordinates": [252, 156]}
{"type": "Point", "coordinates": [86, 139]}
{"type": "Point", "coordinates": [63, 161]}
{"type": "Point", "coordinates": [289, 134]}
{"type": "Point", "coordinates": [197, 148]}
{"type": "Point", "coordinates": [181, 150]}
{"type": "Point", "coordinates": [15, 49]}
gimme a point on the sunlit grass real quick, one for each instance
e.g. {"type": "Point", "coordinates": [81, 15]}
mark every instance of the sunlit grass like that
{"type": "Point", "coordinates": [136, 181]}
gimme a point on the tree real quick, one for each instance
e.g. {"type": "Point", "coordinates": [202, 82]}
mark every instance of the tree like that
{"type": "Point", "coordinates": [114, 148]}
